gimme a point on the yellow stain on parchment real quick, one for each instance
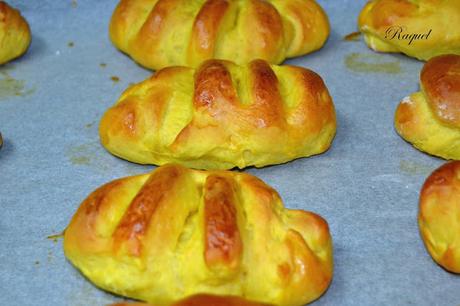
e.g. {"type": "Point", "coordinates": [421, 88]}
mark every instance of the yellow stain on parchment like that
{"type": "Point", "coordinates": [93, 156]}
{"type": "Point", "coordinates": [11, 87]}
{"type": "Point", "coordinates": [414, 168]}
{"type": "Point", "coordinates": [371, 63]}
{"type": "Point", "coordinates": [88, 155]}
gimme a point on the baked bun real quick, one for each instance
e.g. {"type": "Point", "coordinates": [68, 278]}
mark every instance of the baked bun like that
{"type": "Point", "coordinates": [419, 28]}
{"type": "Point", "coordinates": [14, 33]}
{"type": "Point", "coordinates": [204, 300]}
{"type": "Point", "coordinates": [176, 232]}
{"type": "Point", "coordinates": [439, 215]}
{"type": "Point", "coordinates": [163, 33]}
{"type": "Point", "coordinates": [430, 119]}
{"type": "Point", "coordinates": [221, 116]}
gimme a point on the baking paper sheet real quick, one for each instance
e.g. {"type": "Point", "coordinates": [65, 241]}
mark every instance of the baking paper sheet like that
{"type": "Point", "coordinates": [366, 185]}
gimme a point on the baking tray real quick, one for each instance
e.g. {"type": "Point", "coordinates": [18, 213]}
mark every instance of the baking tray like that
{"type": "Point", "coordinates": [366, 185]}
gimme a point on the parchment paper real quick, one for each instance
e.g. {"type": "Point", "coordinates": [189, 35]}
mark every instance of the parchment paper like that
{"type": "Point", "coordinates": [366, 185]}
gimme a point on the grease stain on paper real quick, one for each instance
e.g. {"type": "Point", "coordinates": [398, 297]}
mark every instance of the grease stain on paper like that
{"type": "Point", "coordinates": [90, 155]}
{"type": "Point", "coordinates": [11, 87]}
{"type": "Point", "coordinates": [87, 155]}
{"type": "Point", "coordinates": [372, 63]}
{"type": "Point", "coordinates": [413, 168]}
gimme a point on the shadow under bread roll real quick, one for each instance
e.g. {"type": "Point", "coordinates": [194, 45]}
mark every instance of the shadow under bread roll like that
{"type": "Point", "coordinates": [203, 300]}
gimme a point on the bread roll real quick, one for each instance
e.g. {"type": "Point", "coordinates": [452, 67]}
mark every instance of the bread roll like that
{"type": "Point", "coordinates": [162, 33]}
{"type": "Point", "coordinates": [221, 116]}
{"type": "Point", "coordinates": [430, 119]}
{"type": "Point", "coordinates": [176, 232]}
{"type": "Point", "coordinates": [14, 33]}
{"type": "Point", "coordinates": [439, 216]}
{"type": "Point", "coordinates": [418, 28]}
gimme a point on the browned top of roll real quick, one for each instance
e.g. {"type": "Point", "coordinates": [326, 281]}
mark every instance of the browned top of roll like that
{"type": "Point", "coordinates": [215, 92]}
{"type": "Point", "coordinates": [441, 179]}
{"type": "Point", "coordinates": [440, 79]}
{"type": "Point", "coordinates": [222, 237]}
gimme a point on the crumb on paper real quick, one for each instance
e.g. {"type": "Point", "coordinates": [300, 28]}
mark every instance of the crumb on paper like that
{"type": "Point", "coordinates": [70, 44]}
{"type": "Point", "coordinates": [56, 237]}
{"type": "Point", "coordinates": [37, 263]}
{"type": "Point", "coordinates": [74, 3]}
{"type": "Point", "coordinates": [103, 65]}
{"type": "Point", "coordinates": [115, 78]}
{"type": "Point", "coordinates": [352, 36]}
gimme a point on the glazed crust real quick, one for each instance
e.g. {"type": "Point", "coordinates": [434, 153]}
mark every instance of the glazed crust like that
{"type": "Point", "coordinates": [430, 119]}
{"type": "Point", "coordinates": [162, 33]}
{"type": "Point", "coordinates": [176, 232]}
{"type": "Point", "coordinates": [204, 300]}
{"type": "Point", "coordinates": [440, 79]}
{"type": "Point", "coordinates": [14, 33]}
{"type": "Point", "coordinates": [439, 214]}
{"type": "Point", "coordinates": [221, 116]}
{"type": "Point", "coordinates": [442, 17]}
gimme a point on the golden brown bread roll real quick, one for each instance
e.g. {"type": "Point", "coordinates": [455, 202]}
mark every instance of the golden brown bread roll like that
{"type": "Point", "coordinates": [430, 119]}
{"type": "Point", "coordinates": [14, 33]}
{"type": "Point", "coordinates": [439, 215]}
{"type": "Point", "coordinates": [162, 33]}
{"type": "Point", "coordinates": [204, 300]}
{"type": "Point", "coordinates": [221, 116]}
{"type": "Point", "coordinates": [176, 232]}
{"type": "Point", "coordinates": [419, 28]}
